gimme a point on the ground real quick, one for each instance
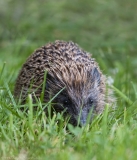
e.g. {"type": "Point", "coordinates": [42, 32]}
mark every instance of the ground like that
{"type": "Point", "coordinates": [108, 30]}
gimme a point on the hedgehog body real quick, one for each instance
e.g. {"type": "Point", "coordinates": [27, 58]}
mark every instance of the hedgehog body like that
{"type": "Point", "coordinates": [68, 67]}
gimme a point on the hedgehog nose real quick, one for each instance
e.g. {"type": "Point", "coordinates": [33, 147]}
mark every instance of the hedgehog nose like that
{"type": "Point", "coordinates": [83, 118]}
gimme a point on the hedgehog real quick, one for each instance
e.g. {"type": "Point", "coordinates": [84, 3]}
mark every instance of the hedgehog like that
{"type": "Point", "coordinates": [71, 72]}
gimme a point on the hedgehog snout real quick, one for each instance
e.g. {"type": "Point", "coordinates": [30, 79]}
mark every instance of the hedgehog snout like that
{"type": "Point", "coordinates": [85, 116]}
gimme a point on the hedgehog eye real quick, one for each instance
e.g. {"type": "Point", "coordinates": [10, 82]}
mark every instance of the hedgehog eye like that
{"type": "Point", "coordinates": [66, 102]}
{"type": "Point", "coordinates": [90, 101]}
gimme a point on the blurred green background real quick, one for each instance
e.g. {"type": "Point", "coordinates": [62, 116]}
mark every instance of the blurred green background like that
{"type": "Point", "coordinates": [105, 28]}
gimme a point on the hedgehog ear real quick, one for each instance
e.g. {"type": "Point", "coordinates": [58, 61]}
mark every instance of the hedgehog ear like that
{"type": "Point", "coordinates": [95, 76]}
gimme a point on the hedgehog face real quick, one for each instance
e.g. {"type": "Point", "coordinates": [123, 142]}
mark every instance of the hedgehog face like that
{"type": "Point", "coordinates": [80, 100]}
{"type": "Point", "coordinates": [64, 103]}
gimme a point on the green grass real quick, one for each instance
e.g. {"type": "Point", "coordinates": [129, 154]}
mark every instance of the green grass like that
{"type": "Point", "coordinates": [107, 29]}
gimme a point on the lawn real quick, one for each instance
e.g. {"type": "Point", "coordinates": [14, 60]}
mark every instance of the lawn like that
{"type": "Point", "coordinates": [105, 28]}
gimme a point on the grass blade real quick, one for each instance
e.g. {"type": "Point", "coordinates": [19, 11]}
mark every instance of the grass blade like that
{"type": "Point", "coordinates": [122, 95]}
